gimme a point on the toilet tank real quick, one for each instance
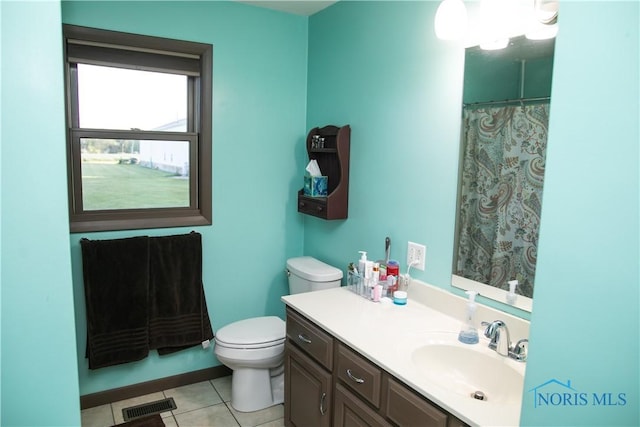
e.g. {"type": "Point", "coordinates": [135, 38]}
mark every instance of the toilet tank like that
{"type": "Point", "coordinates": [308, 274]}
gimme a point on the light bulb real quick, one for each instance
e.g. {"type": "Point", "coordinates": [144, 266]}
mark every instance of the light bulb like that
{"type": "Point", "coordinates": [495, 20]}
{"type": "Point", "coordinates": [451, 20]}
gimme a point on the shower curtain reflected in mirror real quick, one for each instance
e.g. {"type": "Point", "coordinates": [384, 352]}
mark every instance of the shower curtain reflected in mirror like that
{"type": "Point", "coordinates": [502, 178]}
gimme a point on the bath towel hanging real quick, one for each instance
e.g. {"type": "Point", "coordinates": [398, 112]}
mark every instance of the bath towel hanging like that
{"type": "Point", "coordinates": [116, 286]}
{"type": "Point", "coordinates": [178, 316]}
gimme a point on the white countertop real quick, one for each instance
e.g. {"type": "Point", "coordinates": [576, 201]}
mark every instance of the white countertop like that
{"type": "Point", "coordinates": [387, 334]}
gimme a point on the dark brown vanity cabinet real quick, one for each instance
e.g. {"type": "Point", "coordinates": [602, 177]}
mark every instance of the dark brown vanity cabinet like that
{"type": "Point", "coordinates": [332, 156]}
{"type": "Point", "coordinates": [329, 384]}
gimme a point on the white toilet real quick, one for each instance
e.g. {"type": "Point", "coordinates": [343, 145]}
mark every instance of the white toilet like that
{"type": "Point", "coordinates": [254, 348]}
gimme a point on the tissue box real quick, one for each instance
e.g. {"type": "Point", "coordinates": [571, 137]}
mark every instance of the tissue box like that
{"type": "Point", "coordinates": [315, 186]}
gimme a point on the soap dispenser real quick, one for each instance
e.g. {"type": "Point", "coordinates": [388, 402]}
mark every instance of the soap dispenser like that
{"type": "Point", "coordinates": [469, 332]}
{"type": "Point", "coordinates": [362, 264]}
{"type": "Point", "coordinates": [511, 296]}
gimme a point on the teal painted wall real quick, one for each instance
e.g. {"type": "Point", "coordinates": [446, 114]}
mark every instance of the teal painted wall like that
{"type": "Point", "coordinates": [378, 66]}
{"type": "Point", "coordinates": [39, 372]}
{"type": "Point", "coordinates": [1, 103]}
{"type": "Point", "coordinates": [585, 320]}
{"type": "Point", "coordinates": [259, 73]}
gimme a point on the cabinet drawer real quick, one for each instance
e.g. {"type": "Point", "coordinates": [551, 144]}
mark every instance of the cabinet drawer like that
{"type": "Point", "coordinates": [310, 338]}
{"type": "Point", "coordinates": [316, 206]}
{"type": "Point", "coordinates": [405, 408]}
{"type": "Point", "coordinates": [359, 375]}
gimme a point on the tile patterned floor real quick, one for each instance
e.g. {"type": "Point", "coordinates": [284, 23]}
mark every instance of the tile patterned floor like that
{"type": "Point", "coordinates": [199, 405]}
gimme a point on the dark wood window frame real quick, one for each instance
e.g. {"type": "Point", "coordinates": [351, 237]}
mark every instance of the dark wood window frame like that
{"type": "Point", "coordinates": [125, 50]}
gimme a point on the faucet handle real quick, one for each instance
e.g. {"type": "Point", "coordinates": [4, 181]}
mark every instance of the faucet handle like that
{"type": "Point", "coordinates": [500, 343]}
{"type": "Point", "coordinates": [520, 350]}
{"type": "Point", "coordinates": [491, 328]}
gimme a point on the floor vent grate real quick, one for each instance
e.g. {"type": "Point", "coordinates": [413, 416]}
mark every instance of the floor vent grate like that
{"type": "Point", "coordinates": [151, 408]}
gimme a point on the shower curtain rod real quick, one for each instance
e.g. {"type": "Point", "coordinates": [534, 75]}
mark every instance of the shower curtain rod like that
{"type": "Point", "coordinates": [508, 101]}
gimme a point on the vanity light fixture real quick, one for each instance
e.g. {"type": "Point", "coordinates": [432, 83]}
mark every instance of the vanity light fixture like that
{"type": "Point", "coordinates": [451, 20]}
{"type": "Point", "coordinates": [543, 21]}
{"type": "Point", "coordinates": [495, 17]}
{"type": "Point", "coordinates": [496, 21]}
{"type": "Point", "coordinates": [546, 11]}
{"type": "Point", "coordinates": [539, 31]}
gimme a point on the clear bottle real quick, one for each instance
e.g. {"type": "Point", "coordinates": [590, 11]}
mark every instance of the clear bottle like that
{"type": "Point", "coordinates": [469, 331]}
{"type": "Point", "coordinates": [375, 277]}
{"type": "Point", "coordinates": [362, 264]}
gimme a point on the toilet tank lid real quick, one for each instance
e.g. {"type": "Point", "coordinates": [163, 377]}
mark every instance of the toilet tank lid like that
{"type": "Point", "coordinates": [253, 331]}
{"type": "Point", "coordinates": [312, 269]}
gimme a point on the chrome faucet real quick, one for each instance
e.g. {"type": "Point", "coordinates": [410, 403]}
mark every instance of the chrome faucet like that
{"type": "Point", "coordinates": [498, 332]}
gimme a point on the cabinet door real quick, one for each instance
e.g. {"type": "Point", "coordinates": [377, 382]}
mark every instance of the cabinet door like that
{"type": "Point", "coordinates": [454, 422]}
{"type": "Point", "coordinates": [350, 411]}
{"type": "Point", "coordinates": [307, 391]}
{"type": "Point", "coordinates": [405, 408]}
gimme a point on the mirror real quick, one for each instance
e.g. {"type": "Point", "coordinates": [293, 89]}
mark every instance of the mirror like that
{"type": "Point", "coordinates": [505, 112]}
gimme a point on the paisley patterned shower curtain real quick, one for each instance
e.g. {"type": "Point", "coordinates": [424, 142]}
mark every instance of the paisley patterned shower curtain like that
{"type": "Point", "coordinates": [501, 194]}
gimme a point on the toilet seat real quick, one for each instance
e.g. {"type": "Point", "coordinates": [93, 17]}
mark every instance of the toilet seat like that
{"type": "Point", "coordinates": [253, 333]}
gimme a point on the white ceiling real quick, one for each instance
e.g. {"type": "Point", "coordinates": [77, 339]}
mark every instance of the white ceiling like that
{"type": "Point", "coordinates": [297, 7]}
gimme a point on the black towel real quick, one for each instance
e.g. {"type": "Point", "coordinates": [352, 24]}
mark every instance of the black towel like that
{"type": "Point", "coordinates": [116, 284]}
{"type": "Point", "coordinates": [178, 316]}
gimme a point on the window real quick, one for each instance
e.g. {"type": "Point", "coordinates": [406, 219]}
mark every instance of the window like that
{"type": "Point", "coordinates": [139, 118]}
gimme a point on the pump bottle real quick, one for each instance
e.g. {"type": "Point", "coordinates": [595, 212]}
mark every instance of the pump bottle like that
{"type": "Point", "coordinates": [362, 264]}
{"type": "Point", "coordinates": [511, 296]}
{"type": "Point", "coordinates": [469, 332]}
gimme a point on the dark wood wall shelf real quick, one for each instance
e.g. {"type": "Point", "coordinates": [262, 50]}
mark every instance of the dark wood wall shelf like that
{"type": "Point", "coordinates": [333, 161]}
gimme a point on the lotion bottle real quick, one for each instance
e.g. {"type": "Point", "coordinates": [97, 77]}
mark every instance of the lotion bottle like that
{"type": "Point", "coordinates": [362, 264]}
{"type": "Point", "coordinates": [376, 273]}
{"type": "Point", "coordinates": [375, 276]}
{"type": "Point", "coordinates": [469, 332]}
{"type": "Point", "coordinates": [368, 278]}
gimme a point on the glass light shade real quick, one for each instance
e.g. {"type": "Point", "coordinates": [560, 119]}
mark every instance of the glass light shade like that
{"type": "Point", "coordinates": [542, 31]}
{"type": "Point", "coordinates": [546, 11]}
{"type": "Point", "coordinates": [451, 20]}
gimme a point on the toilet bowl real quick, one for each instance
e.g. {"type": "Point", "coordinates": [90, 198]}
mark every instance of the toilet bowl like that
{"type": "Point", "coordinates": [254, 348]}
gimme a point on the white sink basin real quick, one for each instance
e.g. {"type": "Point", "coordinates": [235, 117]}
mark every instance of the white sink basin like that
{"type": "Point", "coordinates": [466, 369]}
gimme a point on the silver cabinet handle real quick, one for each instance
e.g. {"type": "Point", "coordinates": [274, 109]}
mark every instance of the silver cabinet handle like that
{"type": "Point", "coordinates": [356, 379]}
{"type": "Point", "coordinates": [322, 399]}
{"type": "Point", "coordinates": [304, 339]}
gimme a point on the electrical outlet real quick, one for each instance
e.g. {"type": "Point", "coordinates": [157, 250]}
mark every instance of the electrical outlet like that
{"type": "Point", "coordinates": [416, 252]}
